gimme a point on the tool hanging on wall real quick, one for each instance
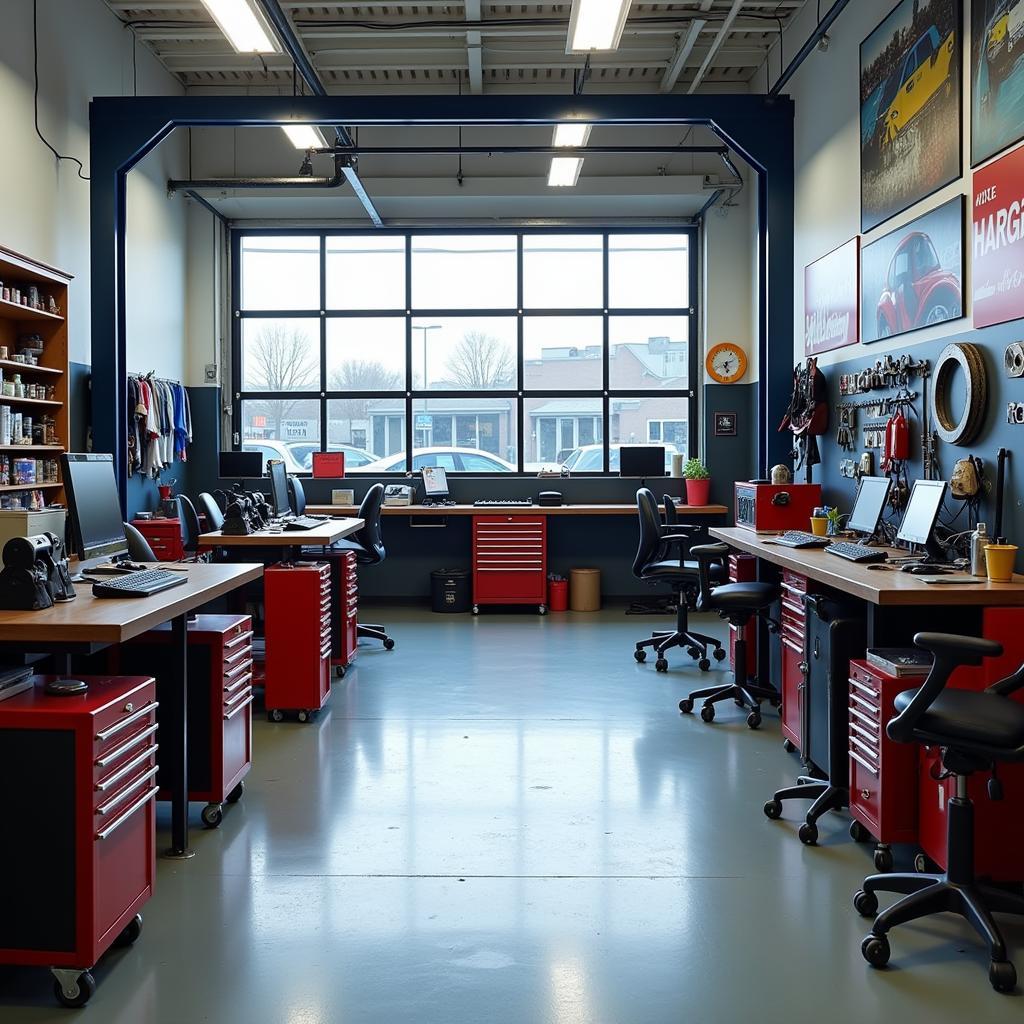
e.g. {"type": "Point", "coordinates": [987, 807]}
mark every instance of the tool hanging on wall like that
{"type": "Point", "coordinates": [807, 415]}
{"type": "Point", "coordinates": [886, 373]}
{"type": "Point", "coordinates": [1001, 456]}
{"type": "Point", "coordinates": [1013, 359]}
{"type": "Point", "coordinates": [897, 442]}
{"type": "Point", "coordinates": [847, 425]}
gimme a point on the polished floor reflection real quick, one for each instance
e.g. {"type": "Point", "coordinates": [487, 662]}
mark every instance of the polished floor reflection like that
{"type": "Point", "coordinates": [505, 819]}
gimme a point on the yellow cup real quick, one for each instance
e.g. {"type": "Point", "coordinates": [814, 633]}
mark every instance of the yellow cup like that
{"type": "Point", "coordinates": [999, 559]}
{"type": "Point", "coordinates": [819, 526]}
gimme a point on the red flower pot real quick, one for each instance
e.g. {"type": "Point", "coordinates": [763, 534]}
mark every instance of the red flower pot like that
{"type": "Point", "coordinates": [698, 492]}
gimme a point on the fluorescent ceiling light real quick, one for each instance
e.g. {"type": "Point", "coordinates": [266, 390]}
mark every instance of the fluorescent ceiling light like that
{"type": "Point", "coordinates": [305, 136]}
{"type": "Point", "coordinates": [571, 135]}
{"type": "Point", "coordinates": [244, 25]}
{"type": "Point", "coordinates": [565, 170]}
{"type": "Point", "coordinates": [596, 25]}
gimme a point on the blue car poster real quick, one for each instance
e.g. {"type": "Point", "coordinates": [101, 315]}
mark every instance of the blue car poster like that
{"type": "Point", "coordinates": [997, 76]}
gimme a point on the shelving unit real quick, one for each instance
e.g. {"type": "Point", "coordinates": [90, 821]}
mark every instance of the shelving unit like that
{"type": "Point", "coordinates": [16, 320]}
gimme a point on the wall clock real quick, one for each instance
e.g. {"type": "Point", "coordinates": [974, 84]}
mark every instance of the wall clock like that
{"type": "Point", "coordinates": [726, 363]}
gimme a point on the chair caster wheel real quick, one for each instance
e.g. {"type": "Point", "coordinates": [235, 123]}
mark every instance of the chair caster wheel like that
{"type": "Point", "coordinates": [661, 664]}
{"type": "Point", "coordinates": [640, 655]}
{"type": "Point", "coordinates": [686, 705]}
{"type": "Point", "coordinates": [389, 644]}
{"type": "Point", "coordinates": [883, 860]}
{"type": "Point", "coordinates": [773, 810]}
{"type": "Point", "coordinates": [788, 747]}
{"type": "Point", "coordinates": [704, 664]}
{"type": "Point", "coordinates": [753, 719]}
{"type": "Point", "coordinates": [236, 794]}
{"type": "Point", "coordinates": [875, 949]}
{"type": "Point", "coordinates": [693, 652]}
{"type": "Point", "coordinates": [858, 833]}
{"type": "Point", "coordinates": [808, 833]}
{"type": "Point", "coordinates": [1002, 975]}
{"type": "Point", "coordinates": [865, 903]}
{"type": "Point", "coordinates": [277, 715]}
{"type": "Point", "coordinates": [719, 654]}
{"type": "Point", "coordinates": [130, 932]}
{"type": "Point", "coordinates": [212, 815]}
{"type": "Point", "coordinates": [707, 713]}
{"type": "Point", "coordinates": [76, 993]}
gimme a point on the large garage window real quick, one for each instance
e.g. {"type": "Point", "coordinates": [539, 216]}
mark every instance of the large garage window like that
{"type": "Point", "coordinates": [488, 352]}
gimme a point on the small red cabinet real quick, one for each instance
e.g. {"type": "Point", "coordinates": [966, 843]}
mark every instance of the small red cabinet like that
{"type": "Point", "coordinates": [510, 560]}
{"type": "Point", "coordinates": [743, 569]}
{"type": "Point", "coordinates": [794, 659]}
{"type": "Point", "coordinates": [77, 783]}
{"type": "Point", "coordinates": [297, 601]}
{"type": "Point", "coordinates": [344, 609]}
{"type": "Point", "coordinates": [164, 537]}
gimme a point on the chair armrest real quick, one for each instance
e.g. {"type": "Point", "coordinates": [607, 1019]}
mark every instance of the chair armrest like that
{"type": "Point", "coordinates": [1011, 684]}
{"type": "Point", "coordinates": [950, 652]}
{"type": "Point", "coordinates": [675, 537]}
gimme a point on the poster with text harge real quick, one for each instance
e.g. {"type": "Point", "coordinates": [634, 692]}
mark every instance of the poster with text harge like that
{"type": "Point", "coordinates": [997, 241]}
{"type": "Point", "coordinates": [997, 76]}
{"type": "Point", "coordinates": [910, 120]}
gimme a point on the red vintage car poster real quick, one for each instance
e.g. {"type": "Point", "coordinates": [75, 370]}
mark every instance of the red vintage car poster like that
{"type": "Point", "coordinates": [831, 295]}
{"type": "Point", "coordinates": [997, 238]}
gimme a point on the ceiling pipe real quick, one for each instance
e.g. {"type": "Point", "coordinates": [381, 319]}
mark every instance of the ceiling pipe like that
{"type": "Point", "coordinates": [804, 52]}
{"type": "Point", "coordinates": [720, 151]}
{"type": "Point", "coordinates": [305, 181]}
{"type": "Point", "coordinates": [294, 48]}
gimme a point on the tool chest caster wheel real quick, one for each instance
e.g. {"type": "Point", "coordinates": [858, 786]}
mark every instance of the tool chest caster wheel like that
{"type": "Point", "coordinates": [212, 815]}
{"type": "Point", "coordinates": [476, 609]}
{"type": "Point", "coordinates": [129, 933]}
{"type": "Point", "coordinates": [236, 794]}
{"type": "Point", "coordinates": [338, 671]}
{"type": "Point", "coordinates": [788, 747]}
{"type": "Point", "coordinates": [277, 715]}
{"type": "Point", "coordinates": [542, 609]}
{"type": "Point", "coordinates": [858, 833]}
{"type": "Point", "coordinates": [303, 716]}
{"type": "Point", "coordinates": [686, 705]}
{"type": "Point", "coordinates": [883, 860]}
{"type": "Point", "coordinates": [74, 992]}
{"type": "Point", "coordinates": [640, 655]}
{"type": "Point", "coordinates": [808, 833]}
{"type": "Point", "coordinates": [389, 644]}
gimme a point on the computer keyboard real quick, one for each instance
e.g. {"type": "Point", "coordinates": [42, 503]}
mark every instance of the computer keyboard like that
{"type": "Point", "coordinates": [302, 523]}
{"type": "Point", "coordinates": [506, 502]}
{"type": "Point", "coordinates": [139, 584]}
{"type": "Point", "coordinates": [856, 552]}
{"type": "Point", "coordinates": [800, 539]}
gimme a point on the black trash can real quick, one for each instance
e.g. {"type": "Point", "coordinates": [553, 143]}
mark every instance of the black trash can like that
{"type": "Point", "coordinates": [451, 590]}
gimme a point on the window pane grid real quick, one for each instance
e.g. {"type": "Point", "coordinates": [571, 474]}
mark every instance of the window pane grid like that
{"type": "Point", "coordinates": [478, 389]}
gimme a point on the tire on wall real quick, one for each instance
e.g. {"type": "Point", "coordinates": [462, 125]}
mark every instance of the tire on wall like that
{"type": "Point", "coordinates": [959, 429]}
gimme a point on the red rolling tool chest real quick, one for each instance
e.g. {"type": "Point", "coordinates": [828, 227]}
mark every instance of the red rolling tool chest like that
{"type": "Point", "coordinates": [998, 824]}
{"type": "Point", "coordinates": [883, 779]}
{"type": "Point", "coordinates": [220, 675]}
{"type": "Point", "coordinates": [77, 780]}
{"type": "Point", "coordinates": [297, 601]}
{"type": "Point", "coordinates": [164, 536]}
{"type": "Point", "coordinates": [510, 560]}
{"type": "Point", "coordinates": [344, 610]}
{"type": "Point", "coordinates": [794, 657]}
{"type": "Point", "coordinates": [743, 569]}
{"type": "Point", "coordinates": [771, 508]}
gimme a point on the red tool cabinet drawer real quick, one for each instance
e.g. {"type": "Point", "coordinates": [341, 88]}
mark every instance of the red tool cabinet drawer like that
{"type": "Point", "coordinates": [509, 560]}
{"type": "Point", "coordinates": [163, 536]}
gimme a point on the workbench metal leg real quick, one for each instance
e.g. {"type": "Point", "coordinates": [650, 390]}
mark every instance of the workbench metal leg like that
{"type": "Point", "coordinates": [174, 740]}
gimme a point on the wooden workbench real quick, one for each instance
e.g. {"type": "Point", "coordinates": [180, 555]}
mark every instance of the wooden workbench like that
{"type": "Point", "coordinates": [514, 510]}
{"type": "Point", "coordinates": [320, 536]}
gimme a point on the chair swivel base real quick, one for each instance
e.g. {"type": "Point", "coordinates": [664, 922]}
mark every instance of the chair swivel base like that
{"type": "Point", "coordinates": [370, 631]}
{"type": "Point", "coordinates": [826, 797]}
{"type": "Point", "coordinates": [745, 695]}
{"type": "Point", "coordinates": [696, 645]}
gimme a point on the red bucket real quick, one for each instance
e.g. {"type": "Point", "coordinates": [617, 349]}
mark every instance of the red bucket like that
{"type": "Point", "coordinates": [558, 595]}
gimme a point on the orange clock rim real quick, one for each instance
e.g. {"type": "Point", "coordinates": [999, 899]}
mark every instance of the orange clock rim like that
{"type": "Point", "coordinates": [741, 367]}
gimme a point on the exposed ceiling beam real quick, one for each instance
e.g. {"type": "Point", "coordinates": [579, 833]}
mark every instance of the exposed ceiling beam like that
{"type": "Point", "coordinates": [681, 56]}
{"type": "Point", "coordinates": [474, 54]}
{"type": "Point", "coordinates": [716, 45]}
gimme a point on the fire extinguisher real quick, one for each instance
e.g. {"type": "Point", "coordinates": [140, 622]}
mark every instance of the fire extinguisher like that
{"type": "Point", "coordinates": [897, 441]}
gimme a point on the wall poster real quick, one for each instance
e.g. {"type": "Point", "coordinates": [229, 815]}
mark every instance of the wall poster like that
{"type": "Point", "coordinates": [831, 300]}
{"type": "Point", "coordinates": [997, 240]}
{"type": "Point", "coordinates": [997, 76]}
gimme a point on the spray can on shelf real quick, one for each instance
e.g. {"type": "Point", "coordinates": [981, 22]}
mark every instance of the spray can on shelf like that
{"type": "Point", "coordinates": [979, 539]}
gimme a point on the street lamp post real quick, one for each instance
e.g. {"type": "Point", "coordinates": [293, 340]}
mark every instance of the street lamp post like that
{"type": "Point", "coordinates": [424, 328]}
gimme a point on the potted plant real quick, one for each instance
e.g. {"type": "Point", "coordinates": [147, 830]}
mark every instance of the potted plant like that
{"type": "Point", "coordinates": [698, 482]}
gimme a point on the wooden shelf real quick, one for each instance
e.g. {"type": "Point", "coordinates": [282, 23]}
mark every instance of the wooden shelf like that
{"type": "Point", "coordinates": [52, 449]}
{"type": "Point", "coordinates": [10, 364]}
{"type": "Point", "coordinates": [5, 488]}
{"type": "Point", "coordinates": [41, 403]}
{"type": "Point", "coordinates": [16, 311]}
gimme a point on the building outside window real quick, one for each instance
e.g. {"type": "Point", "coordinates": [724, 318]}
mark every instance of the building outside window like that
{"type": "Point", "coordinates": [484, 353]}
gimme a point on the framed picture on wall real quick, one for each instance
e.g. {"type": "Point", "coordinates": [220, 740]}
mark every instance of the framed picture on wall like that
{"type": "Point", "coordinates": [997, 76]}
{"type": "Point", "coordinates": [997, 271]}
{"type": "Point", "coordinates": [912, 277]}
{"type": "Point", "coordinates": [725, 424]}
{"type": "Point", "coordinates": [910, 111]}
{"type": "Point", "coordinates": [832, 300]}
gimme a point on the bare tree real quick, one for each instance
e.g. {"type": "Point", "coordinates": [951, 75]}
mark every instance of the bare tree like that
{"type": "Point", "coordinates": [359, 375]}
{"type": "Point", "coordinates": [479, 362]}
{"type": "Point", "coordinates": [280, 360]}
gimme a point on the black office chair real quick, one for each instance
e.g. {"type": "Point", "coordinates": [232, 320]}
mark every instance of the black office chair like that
{"type": "Point", "coordinates": [296, 496]}
{"type": "Point", "coordinates": [738, 603]}
{"type": "Point", "coordinates": [190, 531]}
{"type": "Point", "coordinates": [653, 564]}
{"type": "Point", "coordinates": [139, 549]}
{"type": "Point", "coordinates": [208, 506]}
{"type": "Point", "coordinates": [975, 731]}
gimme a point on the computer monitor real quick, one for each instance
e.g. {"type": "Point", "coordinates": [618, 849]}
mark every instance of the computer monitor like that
{"type": "Point", "coordinates": [867, 509]}
{"type": "Point", "coordinates": [642, 460]}
{"type": "Point", "coordinates": [922, 511]}
{"type": "Point", "coordinates": [435, 482]}
{"type": "Point", "coordinates": [94, 506]}
{"type": "Point", "coordinates": [278, 487]}
{"type": "Point", "coordinates": [241, 465]}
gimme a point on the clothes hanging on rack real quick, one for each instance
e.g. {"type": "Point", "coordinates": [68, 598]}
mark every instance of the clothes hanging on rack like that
{"type": "Point", "coordinates": [159, 423]}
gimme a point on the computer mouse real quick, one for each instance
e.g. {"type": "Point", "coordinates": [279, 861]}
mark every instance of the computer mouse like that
{"type": "Point", "coordinates": [880, 565]}
{"type": "Point", "coordinates": [924, 570]}
{"type": "Point", "coordinates": [66, 687]}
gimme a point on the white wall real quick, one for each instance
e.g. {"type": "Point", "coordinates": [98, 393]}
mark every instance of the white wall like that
{"type": "Point", "coordinates": [44, 206]}
{"type": "Point", "coordinates": [827, 156]}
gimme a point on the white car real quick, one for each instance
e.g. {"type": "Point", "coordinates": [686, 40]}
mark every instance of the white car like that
{"type": "Point", "coordinates": [589, 458]}
{"type": "Point", "coordinates": [454, 460]}
{"type": "Point", "coordinates": [275, 450]}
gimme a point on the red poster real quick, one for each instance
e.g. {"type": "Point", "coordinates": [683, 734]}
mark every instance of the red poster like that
{"type": "Point", "coordinates": [998, 241]}
{"type": "Point", "coordinates": [831, 297]}
{"type": "Point", "coordinates": [328, 465]}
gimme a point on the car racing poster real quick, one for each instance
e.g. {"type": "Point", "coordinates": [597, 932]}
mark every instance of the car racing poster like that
{"type": "Point", "coordinates": [997, 76]}
{"type": "Point", "coordinates": [997, 241]}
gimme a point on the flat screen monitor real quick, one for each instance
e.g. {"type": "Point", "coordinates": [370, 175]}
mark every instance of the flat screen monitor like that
{"type": "Point", "coordinates": [435, 482]}
{"type": "Point", "coordinates": [241, 465]}
{"type": "Point", "coordinates": [94, 505]}
{"type": "Point", "coordinates": [867, 509]}
{"type": "Point", "coordinates": [642, 460]}
{"type": "Point", "coordinates": [278, 486]}
{"type": "Point", "coordinates": [922, 511]}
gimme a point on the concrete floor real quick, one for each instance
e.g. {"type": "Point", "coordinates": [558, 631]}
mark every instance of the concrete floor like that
{"type": "Point", "coordinates": [505, 819]}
